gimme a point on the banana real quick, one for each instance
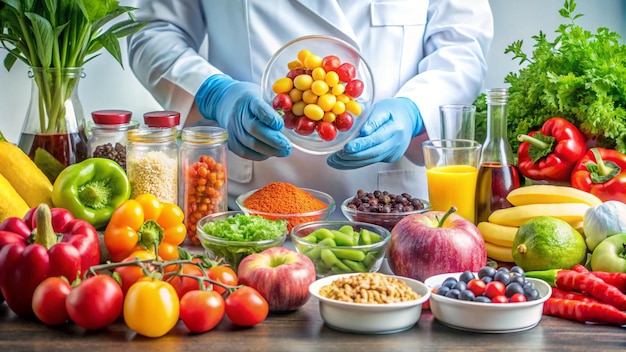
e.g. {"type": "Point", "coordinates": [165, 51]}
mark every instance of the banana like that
{"type": "Point", "coordinates": [544, 194]}
{"type": "Point", "coordinates": [572, 213]}
{"type": "Point", "coordinates": [497, 234]}
{"type": "Point", "coordinates": [499, 253]}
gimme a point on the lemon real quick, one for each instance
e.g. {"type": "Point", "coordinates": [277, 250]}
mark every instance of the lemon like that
{"type": "Point", "coordinates": [548, 243]}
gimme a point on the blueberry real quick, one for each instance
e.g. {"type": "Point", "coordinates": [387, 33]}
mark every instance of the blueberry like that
{"type": "Point", "coordinates": [466, 276]}
{"type": "Point", "coordinates": [467, 295]}
{"type": "Point", "coordinates": [518, 270]}
{"type": "Point", "coordinates": [461, 285]}
{"type": "Point", "coordinates": [518, 278]}
{"type": "Point", "coordinates": [531, 293]}
{"type": "Point", "coordinates": [487, 279]}
{"type": "Point", "coordinates": [450, 282]}
{"type": "Point", "coordinates": [486, 271]}
{"type": "Point", "coordinates": [513, 288]}
{"type": "Point", "coordinates": [502, 276]}
{"type": "Point", "coordinates": [443, 290]}
{"type": "Point", "coordinates": [482, 299]}
{"type": "Point", "coordinates": [453, 293]}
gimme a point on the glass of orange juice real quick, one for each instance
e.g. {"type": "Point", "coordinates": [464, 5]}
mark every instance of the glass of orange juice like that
{"type": "Point", "coordinates": [451, 171]}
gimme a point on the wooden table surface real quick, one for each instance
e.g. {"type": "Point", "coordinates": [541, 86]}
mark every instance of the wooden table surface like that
{"type": "Point", "coordinates": [304, 330]}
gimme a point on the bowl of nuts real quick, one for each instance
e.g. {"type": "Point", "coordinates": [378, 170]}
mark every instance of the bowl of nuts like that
{"type": "Point", "coordinates": [382, 208]}
{"type": "Point", "coordinates": [370, 303]}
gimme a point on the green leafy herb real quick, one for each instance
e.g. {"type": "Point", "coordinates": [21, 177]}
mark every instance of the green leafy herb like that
{"type": "Point", "coordinates": [241, 228]}
{"type": "Point", "coordinates": [60, 34]}
{"type": "Point", "coordinates": [580, 76]}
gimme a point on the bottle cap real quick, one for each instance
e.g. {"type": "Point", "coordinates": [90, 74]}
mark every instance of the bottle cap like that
{"type": "Point", "coordinates": [111, 117]}
{"type": "Point", "coordinates": [161, 119]}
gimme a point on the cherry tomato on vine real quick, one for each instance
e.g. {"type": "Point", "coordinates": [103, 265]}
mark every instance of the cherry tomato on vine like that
{"type": "Point", "coordinates": [223, 274]}
{"type": "Point", "coordinates": [182, 284]}
{"type": "Point", "coordinates": [151, 307]}
{"type": "Point", "coordinates": [246, 307]}
{"type": "Point", "coordinates": [49, 300]}
{"type": "Point", "coordinates": [95, 303]}
{"type": "Point", "coordinates": [201, 310]}
{"type": "Point", "coordinates": [130, 274]}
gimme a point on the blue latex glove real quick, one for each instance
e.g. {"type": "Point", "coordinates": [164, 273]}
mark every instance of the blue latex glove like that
{"type": "Point", "coordinates": [384, 137]}
{"type": "Point", "coordinates": [253, 125]}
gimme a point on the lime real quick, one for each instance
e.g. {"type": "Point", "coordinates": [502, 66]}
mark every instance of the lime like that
{"type": "Point", "coordinates": [548, 243]}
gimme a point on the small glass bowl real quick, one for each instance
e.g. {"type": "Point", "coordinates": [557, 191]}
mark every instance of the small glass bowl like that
{"type": "Point", "coordinates": [386, 220]}
{"type": "Point", "coordinates": [292, 219]}
{"type": "Point", "coordinates": [277, 67]}
{"type": "Point", "coordinates": [374, 253]}
{"type": "Point", "coordinates": [232, 252]}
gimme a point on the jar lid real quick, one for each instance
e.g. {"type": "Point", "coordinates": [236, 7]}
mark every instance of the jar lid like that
{"type": "Point", "coordinates": [111, 117]}
{"type": "Point", "coordinates": [161, 118]}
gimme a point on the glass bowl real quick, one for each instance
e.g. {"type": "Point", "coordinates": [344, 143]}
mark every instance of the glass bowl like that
{"type": "Point", "coordinates": [337, 256]}
{"type": "Point", "coordinates": [292, 219]}
{"type": "Point", "coordinates": [232, 252]}
{"type": "Point", "coordinates": [386, 220]}
{"type": "Point", "coordinates": [367, 318]}
{"type": "Point", "coordinates": [279, 67]}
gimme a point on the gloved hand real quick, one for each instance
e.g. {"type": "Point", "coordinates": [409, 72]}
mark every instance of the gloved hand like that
{"type": "Point", "coordinates": [383, 138]}
{"type": "Point", "coordinates": [253, 125]}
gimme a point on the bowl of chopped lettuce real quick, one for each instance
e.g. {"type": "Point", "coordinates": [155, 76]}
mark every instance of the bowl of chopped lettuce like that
{"type": "Point", "coordinates": [232, 235]}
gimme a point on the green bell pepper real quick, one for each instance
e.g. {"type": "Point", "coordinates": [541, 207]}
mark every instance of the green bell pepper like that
{"type": "Point", "coordinates": [91, 190]}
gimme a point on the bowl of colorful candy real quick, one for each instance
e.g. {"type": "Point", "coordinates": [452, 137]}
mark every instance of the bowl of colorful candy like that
{"type": "Point", "coordinates": [382, 208]}
{"type": "Point", "coordinates": [323, 88]}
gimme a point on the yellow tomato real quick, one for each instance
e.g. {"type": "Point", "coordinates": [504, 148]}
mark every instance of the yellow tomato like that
{"type": "Point", "coordinates": [318, 74]}
{"type": "Point", "coordinates": [319, 87]}
{"type": "Point", "coordinates": [327, 102]}
{"type": "Point", "coordinates": [302, 82]}
{"type": "Point", "coordinates": [339, 108]}
{"type": "Point", "coordinates": [354, 107]}
{"type": "Point", "coordinates": [339, 89]}
{"type": "Point", "coordinates": [295, 94]}
{"type": "Point", "coordinates": [282, 85]}
{"type": "Point", "coordinates": [332, 79]}
{"type": "Point", "coordinates": [314, 112]}
{"type": "Point", "coordinates": [302, 54]}
{"type": "Point", "coordinates": [329, 117]}
{"type": "Point", "coordinates": [312, 61]}
{"type": "Point", "coordinates": [309, 97]}
{"type": "Point", "coordinates": [292, 65]}
{"type": "Point", "coordinates": [151, 307]}
{"type": "Point", "coordinates": [298, 108]}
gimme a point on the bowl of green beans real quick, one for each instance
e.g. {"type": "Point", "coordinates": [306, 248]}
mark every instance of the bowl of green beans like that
{"type": "Point", "coordinates": [341, 247]}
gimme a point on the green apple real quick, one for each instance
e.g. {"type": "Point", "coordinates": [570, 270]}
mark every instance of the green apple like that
{"type": "Point", "coordinates": [610, 254]}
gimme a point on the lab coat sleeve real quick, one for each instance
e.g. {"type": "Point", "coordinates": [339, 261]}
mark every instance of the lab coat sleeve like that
{"type": "Point", "coordinates": [456, 42]}
{"type": "Point", "coordinates": [164, 55]}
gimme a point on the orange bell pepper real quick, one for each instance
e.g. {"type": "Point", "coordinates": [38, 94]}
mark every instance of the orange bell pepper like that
{"type": "Point", "coordinates": [145, 223]}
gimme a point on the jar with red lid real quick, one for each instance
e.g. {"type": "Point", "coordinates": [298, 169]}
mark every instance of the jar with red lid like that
{"type": "Point", "coordinates": [108, 137]}
{"type": "Point", "coordinates": [162, 119]}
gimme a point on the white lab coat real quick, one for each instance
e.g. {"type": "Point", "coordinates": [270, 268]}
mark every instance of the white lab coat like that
{"type": "Point", "coordinates": [433, 52]}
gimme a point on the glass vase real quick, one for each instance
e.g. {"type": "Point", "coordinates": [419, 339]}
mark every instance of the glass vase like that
{"type": "Point", "coordinates": [53, 134]}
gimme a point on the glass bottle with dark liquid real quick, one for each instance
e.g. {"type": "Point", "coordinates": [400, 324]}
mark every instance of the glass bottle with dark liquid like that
{"type": "Point", "coordinates": [497, 174]}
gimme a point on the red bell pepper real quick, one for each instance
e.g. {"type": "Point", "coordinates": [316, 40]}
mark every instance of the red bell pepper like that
{"type": "Point", "coordinates": [551, 152]}
{"type": "Point", "coordinates": [61, 246]}
{"type": "Point", "coordinates": [602, 172]}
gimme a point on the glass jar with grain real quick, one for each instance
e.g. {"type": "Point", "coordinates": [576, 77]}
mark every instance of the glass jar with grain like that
{"type": "Point", "coordinates": [203, 178]}
{"type": "Point", "coordinates": [152, 163]}
{"type": "Point", "coordinates": [108, 135]}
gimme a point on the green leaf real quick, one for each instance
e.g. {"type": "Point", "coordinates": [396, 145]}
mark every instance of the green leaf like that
{"type": "Point", "coordinates": [43, 33]}
{"type": "Point", "coordinates": [109, 41]}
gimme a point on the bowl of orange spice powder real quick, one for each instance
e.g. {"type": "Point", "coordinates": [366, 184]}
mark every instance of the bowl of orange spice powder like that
{"type": "Point", "coordinates": [280, 200]}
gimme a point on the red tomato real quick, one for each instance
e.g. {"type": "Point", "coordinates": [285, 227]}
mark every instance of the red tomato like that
{"type": "Point", "coordinates": [290, 120]}
{"type": "Point", "coordinates": [354, 88]}
{"type": "Point", "coordinates": [130, 274]}
{"type": "Point", "coordinates": [222, 274]}
{"type": "Point", "coordinates": [495, 288]}
{"type": "Point", "coordinates": [346, 72]}
{"type": "Point", "coordinates": [326, 130]}
{"type": "Point", "coordinates": [331, 63]}
{"type": "Point", "coordinates": [344, 121]}
{"type": "Point", "coordinates": [201, 310]}
{"type": "Point", "coordinates": [517, 297]}
{"type": "Point", "coordinates": [182, 284]}
{"type": "Point", "coordinates": [304, 126]}
{"type": "Point", "coordinates": [95, 303]}
{"type": "Point", "coordinates": [49, 300]}
{"type": "Point", "coordinates": [246, 307]}
{"type": "Point", "coordinates": [500, 299]}
{"type": "Point", "coordinates": [297, 72]}
{"type": "Point", "coordinates": [477, 287]}
{"type": "Point", "coordinates": [282, 102]}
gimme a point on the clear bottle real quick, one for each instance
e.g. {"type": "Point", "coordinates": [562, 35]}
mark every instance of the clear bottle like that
{"type": "Point", "coordinates": [108, 135]}
{"type": "Point", "coordinates": [152, 163]}
{"type": "Point", "coordinates": [203, 174]}
{"type": "Point", "coordinates": [497, 174]}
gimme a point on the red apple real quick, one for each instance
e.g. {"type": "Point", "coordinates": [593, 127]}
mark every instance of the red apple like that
{"type": "Point", "coordinates": [281, 275]}
{"type": "Point", "coordinates": [435, 242]}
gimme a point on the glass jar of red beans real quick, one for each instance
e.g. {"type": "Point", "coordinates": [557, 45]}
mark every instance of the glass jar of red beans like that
{"type": "Point", "coordinates": [108, 135]}
{"type": "Point", "coordinates": [203, 178]}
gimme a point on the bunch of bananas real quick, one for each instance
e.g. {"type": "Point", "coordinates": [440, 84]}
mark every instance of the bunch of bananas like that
{"type": "Point", "coordinates": [562, 202]}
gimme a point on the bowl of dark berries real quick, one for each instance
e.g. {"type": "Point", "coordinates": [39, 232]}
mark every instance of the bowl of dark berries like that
{"type": "Point", "coordinates": [491, 300]}
{"type": "Point", "coordinates": [382, 208]}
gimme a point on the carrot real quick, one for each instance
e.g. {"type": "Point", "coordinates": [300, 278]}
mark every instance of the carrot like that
{"type": "Point", "coordinates": [570, 280]}
{"type": "Point", "coordinates": [616, 279]}
{"type": "Point", "coordinates": [595, 312]}
{"type": "Point", "coordinates": [558, 293]}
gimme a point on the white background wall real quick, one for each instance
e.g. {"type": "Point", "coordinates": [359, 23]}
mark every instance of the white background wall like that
{"type": "Point", "coordinates": [107, 85]}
